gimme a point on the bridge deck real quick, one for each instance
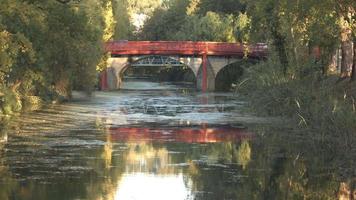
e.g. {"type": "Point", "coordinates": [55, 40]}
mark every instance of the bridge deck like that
{"type": "Point", "coordinates": [185, 48]}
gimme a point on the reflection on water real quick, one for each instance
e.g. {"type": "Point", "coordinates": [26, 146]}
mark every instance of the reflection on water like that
{"type": "Point", "coordinates": [3, 137]}
{"type": "Point", "coordinates": [152, 186]}
{"type": "Point", "coordinates": [165, 145]}
{"type": "Point", "coordinates": [197, 134]}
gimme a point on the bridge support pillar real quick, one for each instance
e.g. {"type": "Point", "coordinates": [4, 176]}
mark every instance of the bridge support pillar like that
{"type": "Point", "coordinates": [205, 74]}
{"type": "Point", "coordinates": [115, 67]}
{"type": "Point", "coordinates": [104, 80]}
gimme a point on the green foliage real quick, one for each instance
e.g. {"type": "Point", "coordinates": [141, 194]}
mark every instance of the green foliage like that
{"type": "Point", "coordinates": [123, 27]}
{"type": "Point", "coordinates": [49, 48]}
{"type": "Point", "coordinates": [197, 21]}
{"type": "Point", "coordinates": [144, 7]}
{"type": "Point", "coordinates": [243, 28]}
{"type": "Point", "coordinates": [10, 102]}
{"type": "Point", "coordinates": [313, 101]}
{"type": "Point", "coordinates": [223, 6]}
{"type": "Point", "coordinates": [295, 27]}
{"type": "Point", "coordinates": [68, 50]}
{"type": "Point", "coordinates": [165, 22]}
{"type": "Point", "coordinates": [211, 27]}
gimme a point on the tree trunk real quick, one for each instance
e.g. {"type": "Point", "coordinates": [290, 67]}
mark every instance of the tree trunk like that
{"type": "Point", "coordinates": [353, 73]}
{"type": "Point", "coordinates": [346, 60]}
{"type": "Point", "coordinates": [331, 63]}
{"type": "Point", "coordinates": [280, 45]}
{"type": "Point", "coordinates": [346, 52]}
{"type": "Point", "coordinates": [279, 40]}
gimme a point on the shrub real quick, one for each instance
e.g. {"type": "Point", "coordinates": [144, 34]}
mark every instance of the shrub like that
{"type": "Point", "coordinates": [312, 101]}
{"type": "Point", "coordinates": [10, 102]}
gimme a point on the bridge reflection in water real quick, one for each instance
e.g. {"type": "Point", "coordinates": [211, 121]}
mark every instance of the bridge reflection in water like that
{"type": "Point", "coordinates": [152, 171]}
{"type": "Point", "coordinates": [203, 134]}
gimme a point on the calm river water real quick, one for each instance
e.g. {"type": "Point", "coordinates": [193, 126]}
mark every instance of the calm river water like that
{"type": "Point", "coordinates": [168, 143]}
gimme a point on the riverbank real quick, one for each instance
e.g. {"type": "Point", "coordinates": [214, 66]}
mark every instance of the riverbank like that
{"type": "Point", "coordinates": [322, 117]}
{"type": "Point", "coordinates": [313, 101]}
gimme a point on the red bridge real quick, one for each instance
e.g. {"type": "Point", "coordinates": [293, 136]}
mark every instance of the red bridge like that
{"type": "Point", "coordinates": [186, 48]}
{"type": "Point", "coordinates": [205, 59]}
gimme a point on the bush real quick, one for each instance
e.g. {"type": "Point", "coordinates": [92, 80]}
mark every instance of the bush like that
{"type": "Point", "coordinates": [10, 102]}
{"type": "Point", "coordinates": [312, 101]}
{"type": "Point", "coordinates": [31, 103]}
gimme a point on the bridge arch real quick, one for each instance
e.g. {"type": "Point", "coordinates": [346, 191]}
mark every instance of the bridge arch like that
{"type": "Point", "coordinates": [117, 66]}
{"type": "Point", "coordinates": [231, 73]}
{"type": "Point", "coordinates": [221, 71]}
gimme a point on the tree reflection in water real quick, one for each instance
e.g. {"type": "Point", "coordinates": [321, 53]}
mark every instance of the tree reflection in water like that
{"type": "Point", "coordinates": [99, 163]}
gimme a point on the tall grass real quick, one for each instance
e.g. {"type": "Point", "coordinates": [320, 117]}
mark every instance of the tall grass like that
{"type": "Point", "coordinates": [312, 100]}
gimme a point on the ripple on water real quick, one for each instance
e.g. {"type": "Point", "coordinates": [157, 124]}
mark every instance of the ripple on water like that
{"type": "Point", "coordinates": [82, 140]}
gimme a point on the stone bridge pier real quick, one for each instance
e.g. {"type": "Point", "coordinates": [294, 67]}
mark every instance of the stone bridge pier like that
{"type": "Point", "coordinates": [213, 64]}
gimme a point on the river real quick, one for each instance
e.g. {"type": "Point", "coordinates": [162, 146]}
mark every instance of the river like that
{"type": "Point", "coordinates": [163, 141]}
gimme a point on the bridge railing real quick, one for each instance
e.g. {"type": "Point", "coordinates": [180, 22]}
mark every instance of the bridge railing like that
{"type": "Point", "coordinates": [185, 48]}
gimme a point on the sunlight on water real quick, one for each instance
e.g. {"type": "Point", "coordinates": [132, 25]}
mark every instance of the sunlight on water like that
{"type": "Point", "coordinates": [142, 186]}
{"type": "Point", "coordinates": [3, 138]}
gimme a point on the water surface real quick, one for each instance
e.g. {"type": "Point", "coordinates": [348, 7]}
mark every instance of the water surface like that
{"type": "Point", "coordinates": [166, 143]}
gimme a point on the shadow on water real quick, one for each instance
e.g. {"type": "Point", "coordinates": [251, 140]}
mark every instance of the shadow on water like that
{"type": "Point", "coordinates": [166, 145]}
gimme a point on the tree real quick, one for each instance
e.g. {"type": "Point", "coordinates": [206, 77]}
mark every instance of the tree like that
{"type": "Point", "coordinates": [346, 50]}
{"type": "Point", "coordinates": [353, 74]}
{"type": "Point", "coordinates": [45, 46]}
{"type": "Point", "coordinates": [197, 20]}
{"type": "Point", "coordinates": [211, 27]}
{"type": "Point", "coordinates": [165, 22]}
{"type": "Point", "coordinates": [346, 11]}
{"type": "Point", "coordinates": [222, 7]}
{"type": "Point", "coordinates": [268, 15]}
{"type": "Point", "coordinates": [123, 26]}
{"type": "Point", "coordinates": [353, 22]}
